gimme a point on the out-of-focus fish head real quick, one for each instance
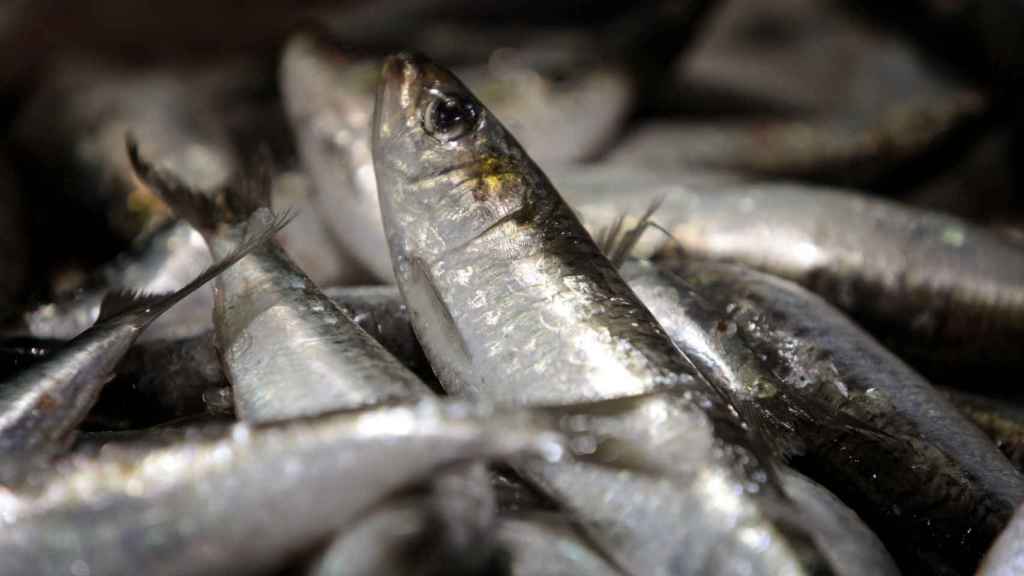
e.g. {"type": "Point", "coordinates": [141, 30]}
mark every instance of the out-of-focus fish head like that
{"type": "Point", "coordinates": [328, 94]}
{"type": "Point", "coordinates": [448, 171]}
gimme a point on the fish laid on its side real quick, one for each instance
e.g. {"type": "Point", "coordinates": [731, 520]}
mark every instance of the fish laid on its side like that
{"type": "Point", "coordinates": [936, 286]}
{"type": "Point", "coordinates": [515, 304]}
{"type": "Point", "coordinates": [41, 406]}
{"type": "Point", "coordinates": [167, 379]}
{"type": "Point", "coordinates": [1000, 419]}
{"type": "Point", "coordinates": [845, 410]}
{"type": "Point", "coordinates": [248, 502]}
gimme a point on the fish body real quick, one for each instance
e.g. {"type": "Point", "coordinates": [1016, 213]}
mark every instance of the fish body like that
{"type": "Point", "coordinates": [163, 261]}
{"type": "Point", "coordinates": [41, 406]}
{"type": "Point", "coordinates": [287, 350]}
{"type": "Point", "coordinates": [940, 289]}
{"type": "Point", "coordinates": [1002, 420]}
{"type": "Point", "coordinates": [842, 408]}
{"type": "Point", "coordinates": [247, 502]}
{"type": "Point", "coordinates": [515, 304]}
{"type": "Point", "coordinates": [450, 529]}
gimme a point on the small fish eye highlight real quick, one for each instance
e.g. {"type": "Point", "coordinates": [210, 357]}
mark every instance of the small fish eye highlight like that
{"type": "Point", "coordinates": [448, 118]}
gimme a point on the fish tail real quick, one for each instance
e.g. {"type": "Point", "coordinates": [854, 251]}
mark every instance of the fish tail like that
{"type": "Point", "coordinates": [120, 306]}
{"type": "Point", "coordinates": [206, 210]}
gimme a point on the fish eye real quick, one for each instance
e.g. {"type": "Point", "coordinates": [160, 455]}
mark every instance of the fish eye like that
{"type": "Point", "coordinates": [448, 118]}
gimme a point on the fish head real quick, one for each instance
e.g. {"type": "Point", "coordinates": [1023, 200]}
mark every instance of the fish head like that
{"type": "Point", "coordinates": [328, 97]}
{"type": "Point", "coordinates": [447, 170]}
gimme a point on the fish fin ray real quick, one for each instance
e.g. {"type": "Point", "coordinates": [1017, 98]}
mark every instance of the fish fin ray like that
{"type": "Point", "coordinates": [206, 209]}
{"type": "Point", "coordinates": [144, 308]}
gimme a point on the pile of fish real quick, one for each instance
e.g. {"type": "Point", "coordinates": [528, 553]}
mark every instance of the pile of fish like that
{"type": "Point", "coordinates": [624, 302]}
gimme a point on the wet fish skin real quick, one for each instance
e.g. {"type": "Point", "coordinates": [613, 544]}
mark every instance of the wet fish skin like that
{"type": "Point", "coordinates": [1006, 557]}
{"type": "Point", "coordinates": [250, 501]}
{"type": "Point", "coordinates": [448, 530]}
{"type": "Point", "coordinates": [514, 303]}
{"type": "Point", "coordinates": [842, 408]}
{"type": "Point", "coordinates": [446, 207]}
{"type": "Point", "coordinates": [163, 261]}
{"type": "Point", "coordinates": [41, 406]}
{"type": "Point", "coordinates": [328, 94]}
{"type": "Point", "coordinates": [539, 546]}
{"type": "Point", "coordinates": [166, 379]}
{"type": "Point", "coordinates": [1001, 419]}
{"type": "Point", "coordinates": [940, 289]}
{"type": "Point", "coordinates": [287, 350]}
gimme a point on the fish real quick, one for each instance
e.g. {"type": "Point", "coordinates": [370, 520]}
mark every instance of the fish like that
{"type": "Point", "coordinates": [287, 350]}
{"type": "Point", "coordinates": [515, 304]}
{"type": "Point", "coordinates": [15, 247]}
{"type": "Point", "coordinates": [328, 95]}
{"type": "Point", "coordinates": [1001, 419]}
{"type": "Point", "coordinates": [539, 545]}
{"type": "Point", "coordinates": [41, 406]}
{"type": "Point", "coordinates": [163, 261]}
{"type": "Point", "coordinates": [945, 293]}
{"type": "Point", "coordinates": [248, 502]}
{"type": "Point", "coordinates": [75, 124]}
{"type": "Point", "coordinates": [1006, 557]}
{"type": "Point", "coordinates": [448, 530]}
{"type": "Point", "coordinates": [879, 157]}
{"type": "Point", "coordinates": [166, 379]}
{"type": "Point", "coordinates": [781, 59]}
{"type": "Point", "coordinates": [840, 408]}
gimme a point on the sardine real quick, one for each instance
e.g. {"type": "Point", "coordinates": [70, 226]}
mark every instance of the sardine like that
{"type": "Point", "coordinates": [842, 408]}
{"type": "Point", "coordinates": [41, 406]}
{"type": "Point", "coordinates": [448, 530]}
{"type": "Point", "coordinates": [1002, 420]}
{"type": "Point", "coordinates": [287, 350]}
{"type": "Point", "coordinates": [76, 125]}
{"type": "Point", "coordinates": [163, 261]}
{"type": "Point", "coordinates": [248, 502]}
{"type": "Point", "coordinates": [166, 379]}
{"type": "Point", "coordinates": [328, 94]}
{"type": "Point", "coordinates": [879, 156]}
{"type": "Point", "coordinates": [936, 287]}
{"type": "Point", "coordinates": [514, 303]}
{"type": "Point", "coordinates": [1006, 558]}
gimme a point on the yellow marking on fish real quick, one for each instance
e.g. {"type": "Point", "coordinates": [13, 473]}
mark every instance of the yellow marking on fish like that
{"type": "Point", "coordinates": [496, 177]}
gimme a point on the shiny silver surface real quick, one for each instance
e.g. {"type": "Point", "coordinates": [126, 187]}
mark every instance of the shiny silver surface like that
{"type": "Point", "coordinates": [246, 502]}
{"type": "Point", "coordinates": [942, 286]}
{"type": "Point", "coordinates": [329, 99]}
{"type": "Point", "coordinates": [41, 405]}
{"type": "Point", "coordinates": [515, 304]}
{"type": "Point", "coordinates": [832, 397]}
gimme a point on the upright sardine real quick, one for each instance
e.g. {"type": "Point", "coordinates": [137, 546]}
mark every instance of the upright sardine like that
{"type": "Point", "coordinates": [288, 351]}
{"type": "Point", "coordinates": [328, 95]}
{"type": "Point", "coordinates": [41, 406]}
{"type": "Point", "coordinates": [842, 408]}
{"type": "Point", "coordinates": [514, 303]}
{"type": "Point", "coordinates": [248, 502]}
